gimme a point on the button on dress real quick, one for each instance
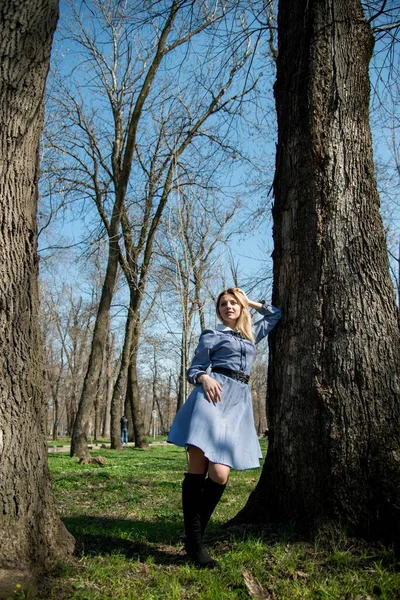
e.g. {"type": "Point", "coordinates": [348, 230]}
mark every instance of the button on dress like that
{"type": "Point", "coordinates": [224, 430]}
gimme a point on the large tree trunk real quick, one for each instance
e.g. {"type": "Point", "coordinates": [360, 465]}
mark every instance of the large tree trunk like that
{"type": "Point", "coordinates": [31, 533]}
{"type": "Point", "coordinates": [334, 384]}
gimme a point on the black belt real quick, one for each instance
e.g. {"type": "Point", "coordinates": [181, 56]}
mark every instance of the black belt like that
{"type": "Point", "coordinates": [238, 375]}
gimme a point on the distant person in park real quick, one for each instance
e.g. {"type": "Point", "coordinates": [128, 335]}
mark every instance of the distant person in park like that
{"type": "Point", "coordinates": [216, 423]}
{"type": "Point", "coordinates": [124, 430]}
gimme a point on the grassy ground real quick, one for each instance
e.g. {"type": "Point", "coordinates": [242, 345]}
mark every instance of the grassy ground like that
{"type": "Point", "coordinates": [66, 441]}
{"type": "Point", "coordinates": [126, 519]}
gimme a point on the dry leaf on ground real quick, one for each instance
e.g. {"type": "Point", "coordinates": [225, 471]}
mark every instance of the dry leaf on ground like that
{"type": "Point", "coordinates": [254, 587]}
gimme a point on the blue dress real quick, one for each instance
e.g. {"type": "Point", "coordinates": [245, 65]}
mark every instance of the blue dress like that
{"type": "Point", "coordinates": [224, 430]}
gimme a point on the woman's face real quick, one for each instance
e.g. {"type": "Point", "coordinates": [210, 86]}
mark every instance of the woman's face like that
{"type": "Point", "coordinates": [229, 309]}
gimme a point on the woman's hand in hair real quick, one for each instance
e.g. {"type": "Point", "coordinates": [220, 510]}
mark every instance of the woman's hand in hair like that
{"type": "Point", "coordinates": [242, 293]}
{"type": "Point", "coordinates": [249, 303]}
{"type": "Point", "coordinates": [212, 389]}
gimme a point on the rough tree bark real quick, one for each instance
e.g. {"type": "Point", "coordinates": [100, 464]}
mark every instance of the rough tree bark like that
{"type": "Point", "coordinates": [334, 384]}
{"type": "Point", "coordinates": [31, 533]}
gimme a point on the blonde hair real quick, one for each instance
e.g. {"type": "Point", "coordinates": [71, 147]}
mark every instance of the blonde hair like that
{"type": "Point", "coordinates": [243, 324]}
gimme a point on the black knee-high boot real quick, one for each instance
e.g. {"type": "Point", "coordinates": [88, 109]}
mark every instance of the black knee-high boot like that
{"type": "Point", "coordinates": [212, 492]}
{"type": "Point", "coordinates": [192, 492]}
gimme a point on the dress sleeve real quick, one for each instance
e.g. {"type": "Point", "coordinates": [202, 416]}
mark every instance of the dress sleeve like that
{"type": "Point", "coordinates": [271, 316]}
{"type": "Point", "coordinates": [202, 356]}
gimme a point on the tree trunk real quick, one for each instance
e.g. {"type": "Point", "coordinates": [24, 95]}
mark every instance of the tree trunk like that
{"type": "Point", "coordinates": [71, 410]}
{"type": "Point", "coordinates": [128, 413]}
{"type": "Point", "coordinates": [108, 387]}
{"type": "Point", "coordinates": [184, 350]}
{"type": "Point", "coordinates": [134, 394]}
{"type": "Point", "coordinates": [96, 415]}
{"type": "Point", "coordinates": [180, 398]}
{"type": "Point", "coordinates": [120, 386]}
{"type": "Point", "coordinates": [55, 414]}
{"type": "Point", "coordinates": [79, 445]}
{"type": "Point", "coordinates": [31, 533]}
{"type": "Point", "coordinates": [156, 399]}
{"type": "Point", "coordinates": [334, 374]}
{"type": "Point", "coordinates": [160, 414]}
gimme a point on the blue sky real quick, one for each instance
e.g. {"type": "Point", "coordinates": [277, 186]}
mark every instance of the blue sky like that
{"type": "Point", "coordinates": [254, 246]}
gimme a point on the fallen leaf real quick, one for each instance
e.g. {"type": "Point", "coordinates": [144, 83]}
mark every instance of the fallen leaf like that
{"type": "Point", "coordinates": [254, 587]}
{"type": "Point", "coordinates": [302, 574]}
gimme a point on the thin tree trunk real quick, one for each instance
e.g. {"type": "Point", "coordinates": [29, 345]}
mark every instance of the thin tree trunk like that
{"type": "Point", "coordinates": [96, 420]}
{"type": "Point", "coordinates": [133, 392]}
{"type": "Point", "coordinates": [120, 386]}
{"type": "Point", "coordinates": [31, 533]}
{"type": "Point", "coordinates": [128, 413]}
{"type": "Point", "coordinates": [334, 375]}
{"type": "Point", "coordinates": [182, 371]}
{"type": "Point", "coordinates": [108, 391]}
{"type": "Point", "coordinates": [169, 403]}
{"type": "Point", "coordinates": [79, 435]}
{"type": "Point", "coordinates": [186, 320]}
{"type": "Point", "coordinates": [55, 393]}
{"type": "Point", "coordinates": [160, 413]}
{"type": "Point", "coordinates": [55, 414]}
{"type": "Point", "coordinates": [156, 400]}
{"type": "Point", "coordinates": [71, 411]}
{"type": "Point", "coordinates": [106, 429]}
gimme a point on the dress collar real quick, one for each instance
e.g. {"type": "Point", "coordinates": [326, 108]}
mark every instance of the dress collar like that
{"type": "Point", "coordinates": [222, 327]}
{"type": "Point", "coordinates": [226, 329]}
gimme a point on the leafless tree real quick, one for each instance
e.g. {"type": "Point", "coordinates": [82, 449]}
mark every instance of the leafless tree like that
{"type": "Point", "coordinates": [66, 323]}
{"type": "Point", "coordinates": [121, 152]}
{"type": "Point", "coordinates": [198, 227]}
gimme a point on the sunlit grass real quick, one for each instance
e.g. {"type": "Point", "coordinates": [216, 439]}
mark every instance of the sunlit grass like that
{"type": "Point", "coordinates": [126, 519]}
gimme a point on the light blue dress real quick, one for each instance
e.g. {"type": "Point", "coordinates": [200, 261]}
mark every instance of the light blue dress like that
{"type": "Point", "coordinates": [224, 430]}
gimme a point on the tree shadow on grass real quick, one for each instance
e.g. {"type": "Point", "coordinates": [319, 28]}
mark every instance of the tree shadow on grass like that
{"type": "Point", "coordinates": [161, 540]}
{"type": "Point", "coordinates": [136, 540]}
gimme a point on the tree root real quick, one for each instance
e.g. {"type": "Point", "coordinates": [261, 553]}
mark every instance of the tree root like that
{"type": "Point", "coordinates": [90, 460]}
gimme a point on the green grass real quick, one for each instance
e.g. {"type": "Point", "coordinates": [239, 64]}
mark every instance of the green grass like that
{"type": "Point", "coordinates": [126, 519]}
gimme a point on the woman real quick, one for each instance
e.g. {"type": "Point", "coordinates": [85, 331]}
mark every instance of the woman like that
{"type": "Point", "coordinates": [216, 422]}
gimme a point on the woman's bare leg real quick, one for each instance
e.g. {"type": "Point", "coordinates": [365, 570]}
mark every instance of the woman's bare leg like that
{"type": "Point", "coordinates": [219, 473]}
{"type": "Point", "coordinates": [197, 462]}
